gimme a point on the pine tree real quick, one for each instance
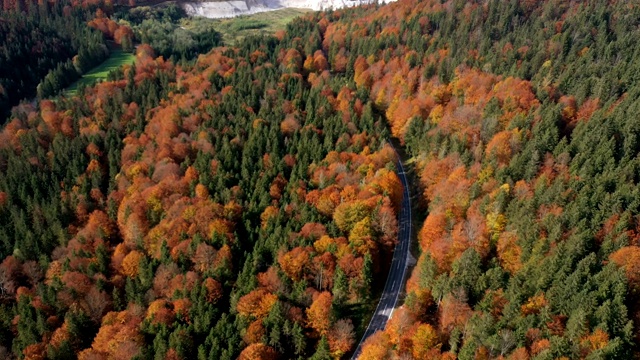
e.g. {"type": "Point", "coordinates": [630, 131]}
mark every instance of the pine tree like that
{"type": "Point", "coordinates": [322, 351]}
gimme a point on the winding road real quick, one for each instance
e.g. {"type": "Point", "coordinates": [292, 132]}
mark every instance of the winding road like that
{"type": "Point", "coordinates": [399, 265]}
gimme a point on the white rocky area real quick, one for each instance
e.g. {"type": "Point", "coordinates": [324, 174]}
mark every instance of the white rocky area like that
{"type": "Point", "coordinates": [231, 8]}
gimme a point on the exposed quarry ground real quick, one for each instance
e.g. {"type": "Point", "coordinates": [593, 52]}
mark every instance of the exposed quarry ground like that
{"type": "Point", "coordinates": [233, 8]}
{"type": "Point", "coordinates": [220, 9]}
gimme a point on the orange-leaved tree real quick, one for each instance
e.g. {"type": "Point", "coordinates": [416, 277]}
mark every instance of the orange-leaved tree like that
{"type": "Point", "coordinates": [319, 313]}
{"type": "Point", "coordinates": [257, 303]}
{"type": "Point", "coordinates": [258, 351]}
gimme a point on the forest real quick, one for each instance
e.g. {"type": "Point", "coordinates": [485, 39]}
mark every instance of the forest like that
{"type": "Point", "coordinates": [45, 47]}
{"type": "Point", "coordinates": [241, 202]}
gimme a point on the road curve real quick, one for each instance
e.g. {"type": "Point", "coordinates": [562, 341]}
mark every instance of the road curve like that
{"type": "Point", "coordinates": [395, 279]}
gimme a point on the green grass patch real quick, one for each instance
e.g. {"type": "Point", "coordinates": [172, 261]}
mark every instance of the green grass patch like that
{"type": "Point", "coordinates": [235, 29]}
{"type": "Point", "coordinates": [249, 24]}
{"type": "Point", "coordinates": [100, 72]}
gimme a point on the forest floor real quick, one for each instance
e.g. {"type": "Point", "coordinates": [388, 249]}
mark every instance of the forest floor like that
{"type": "Point", "coordinates": [237, 28]}
{"type": "Point", "coordinates": [100, 72]}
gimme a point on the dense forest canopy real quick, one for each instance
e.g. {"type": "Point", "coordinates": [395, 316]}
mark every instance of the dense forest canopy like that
{"type": "Point", "coordinates": [243, 203]}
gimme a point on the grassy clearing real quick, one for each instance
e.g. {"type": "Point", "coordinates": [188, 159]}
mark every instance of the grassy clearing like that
{"type": "Point", "coordinates": [235, 29]}
{"type": "Point", "coordinates": [100, 72]}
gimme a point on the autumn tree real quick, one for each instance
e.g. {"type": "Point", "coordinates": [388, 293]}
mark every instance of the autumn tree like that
{"type": "Point", "coordinates": [258, 351]}
{"type": "Point", "coordinates": [293, 262]}
{"type": "Point", "coordinates": [626, 259]}
{"type": "Point", "coordinates": [425, 342]}
{"type": "Point", "coordinates": [319, 315]}
{"type": "Point", "coordinates": [377, 346]}
{"type": "Point", "coordinates": [257, 303]}
{"type": "Point", "coordinates": [341, 337]}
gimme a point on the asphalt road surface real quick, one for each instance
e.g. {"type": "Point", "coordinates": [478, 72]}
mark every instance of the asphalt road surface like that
{"type": "Point", "coordinates": [395, 280]}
